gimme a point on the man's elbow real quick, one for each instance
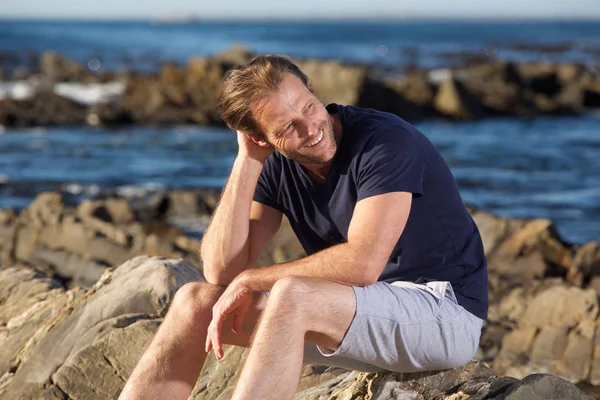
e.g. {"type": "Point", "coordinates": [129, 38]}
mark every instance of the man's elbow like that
{"type": "Point", "coordinates": [217, 278]}
{"type": "Point", "coordinates": [369, 274]}
{"type": "Point", "coordinates": [211, 271]}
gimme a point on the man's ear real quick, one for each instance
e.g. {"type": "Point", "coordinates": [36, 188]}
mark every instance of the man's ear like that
{"type": "Point", "coordinates": [310, 88]}
{"type": "Point", "coordinates": [261, 142]}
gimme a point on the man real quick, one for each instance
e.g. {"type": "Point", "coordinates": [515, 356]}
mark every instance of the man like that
{"type": "Point", "coordinates": [395, 277]}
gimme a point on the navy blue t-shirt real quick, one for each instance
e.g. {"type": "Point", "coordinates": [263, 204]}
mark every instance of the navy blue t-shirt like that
{"type": "Point", "coordinates": [381, 153]}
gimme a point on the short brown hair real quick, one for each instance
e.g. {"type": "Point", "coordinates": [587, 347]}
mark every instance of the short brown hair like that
{"type": "Point", "coordinates": [245, 86]}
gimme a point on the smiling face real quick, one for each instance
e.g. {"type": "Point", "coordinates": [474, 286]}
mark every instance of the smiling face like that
{"type": "Point", "coordinates": [297, 124]}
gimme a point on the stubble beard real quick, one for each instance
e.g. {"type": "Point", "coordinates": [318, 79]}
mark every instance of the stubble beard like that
{"type": "Point", "coordinates": [328, 135]}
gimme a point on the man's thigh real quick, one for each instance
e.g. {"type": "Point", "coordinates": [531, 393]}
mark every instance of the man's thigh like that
{"type": "Point", "coordinates": [404, 327]}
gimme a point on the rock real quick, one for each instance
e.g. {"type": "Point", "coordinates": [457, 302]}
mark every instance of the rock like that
{"type": "Point", "coordinates": [551, 329]}
{"type": "Point", "coordinates": [98, 333]}
{"type": "Point", "coordinates": [333, 82]}
{"type": "Point", "coordinates": [78, 271]}
{"type": "Point", "coordinates": [576, 363]}
{"type": "Point", "coordinates": [591, 94]}
{"type": "Point", "coordinates": [108, 115]}
{"type": "Point", "coordinates": [46, 209]}
{"type": "Point", "coordinates": [171, 74]}
{"type": "Point", "coordinates": [534, 251]}
{"type": "Point", "coordinates": [59, 68]}
{"type": "Point", "coordinates": [545, 387]}
{"type": "Point", "coordinates": [115, 210]}
{"type": "Point", "coordinates": [8, 228]}
{"type": "Point", "coordinates": [454, 101]}
{"type": "Point", "coordinates": [585, 265]}
{"type": "Point", "coordinates": [387, 96]}
{"type": "Point", "coordinates": [238, 54]}
{"type": "Point", "coordinates": [418, 90]}
{"type": "Point", "coordinates": [561, 306]}
{"type": "Point", "coordinates": [45, 109]}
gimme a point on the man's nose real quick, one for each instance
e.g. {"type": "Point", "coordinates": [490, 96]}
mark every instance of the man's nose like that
{"type": "Point", "coordinates": [309, 127]}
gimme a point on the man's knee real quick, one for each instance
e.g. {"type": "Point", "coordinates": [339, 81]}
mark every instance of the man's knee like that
{"type": "Point", "coordinates": [194, 301]}
{"type": "Point", "coordinates": [293, 294]}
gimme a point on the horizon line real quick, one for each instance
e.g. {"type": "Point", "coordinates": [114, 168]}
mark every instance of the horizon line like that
{"type": "Point", "coordinates": [193, 18]}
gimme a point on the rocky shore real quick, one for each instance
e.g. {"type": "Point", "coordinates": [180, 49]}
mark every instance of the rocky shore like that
{"type": "Point", "coordinates": [83, 288]}
{"type": "Point", "coordinates": [63, 92]}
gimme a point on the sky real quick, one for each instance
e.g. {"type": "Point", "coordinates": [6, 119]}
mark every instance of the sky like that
{"type": "Point", "coordinates": [328, 9]}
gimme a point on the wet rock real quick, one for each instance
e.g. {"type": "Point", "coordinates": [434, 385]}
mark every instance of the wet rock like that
{"type": "Point", "coordinates": [333, 82]}
{"type": "Point", "coordinates": [237, 54]}
{"type": "Point", "coordinates": [61, 69]}
{"type": "Point", "coordinates": [591, 94]}
{"type": "Point", "coordinates": [387, 97]}
{"type": "Point", "coordinates": [418, 89]}
{"type": "Point", "coordinates": [45, 109]}
{"type": "Point", "coordinates": [454, 101]}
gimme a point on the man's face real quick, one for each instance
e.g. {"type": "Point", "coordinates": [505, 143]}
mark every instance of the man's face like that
{"type": "Point", "coordinates": [297, 124]}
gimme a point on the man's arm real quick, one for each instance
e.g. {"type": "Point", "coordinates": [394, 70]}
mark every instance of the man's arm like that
{"type": "Point", "coordinates": [376, 226]}
{"type": "Point", "coordinates": [240, 228]}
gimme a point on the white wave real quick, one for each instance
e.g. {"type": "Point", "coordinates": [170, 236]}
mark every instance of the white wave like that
{"type": "Point", "coordinates": [141, 190]}
{"type": "Point", "coordinates": [20, 90]}
{"type": "Point", "coordinates": [77, 189]}
{"type": "Point", "coordinates": [90, 93]}
{"type": "Point", "coordinates": [437, 76]}
{"type": "Point", "coordinates": [84, 93]}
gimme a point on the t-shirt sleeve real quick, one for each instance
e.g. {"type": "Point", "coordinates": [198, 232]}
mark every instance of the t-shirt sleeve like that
{"type": "Point", "coordinates": [391, 162]}
{"type": "Point", "coordinates": [266, 187]}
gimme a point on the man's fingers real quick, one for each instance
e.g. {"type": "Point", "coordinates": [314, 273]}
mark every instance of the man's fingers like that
{"type": "Point", "coordinates": [218, 346]}
{"type": "Point", "coordinates": [208, 344]}
{"type": "Point", "coordinates": [238, 320]}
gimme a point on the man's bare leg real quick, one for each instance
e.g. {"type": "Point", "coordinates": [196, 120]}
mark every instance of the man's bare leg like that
{"type": "Point", "coordinates": [172, 363]}
{"type": "Point", "coordinates": [298, 309]}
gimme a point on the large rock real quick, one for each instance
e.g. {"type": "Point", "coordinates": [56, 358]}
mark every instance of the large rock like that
{"type": "Point", "coordinates": [101, 334]}
{"type": "Point", "coordinates": [71, 345]}
{"type": "Point", "coordinates": [551, 327]}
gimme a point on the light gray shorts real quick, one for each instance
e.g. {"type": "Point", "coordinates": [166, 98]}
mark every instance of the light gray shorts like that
{"type": "Point", "coordinates": [404, 327]}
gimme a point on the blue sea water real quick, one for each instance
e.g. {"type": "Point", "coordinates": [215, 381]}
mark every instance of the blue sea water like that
{"type": "Point", "coordinates": [540, 167]}
{"type": "Point", "coordinates": [143, 44]}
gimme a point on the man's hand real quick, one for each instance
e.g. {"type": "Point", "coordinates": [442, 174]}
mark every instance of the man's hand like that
{"type": "Point", "coordinates": [234, 301]}
{"type": "Point", "coordinates": [254, 148]}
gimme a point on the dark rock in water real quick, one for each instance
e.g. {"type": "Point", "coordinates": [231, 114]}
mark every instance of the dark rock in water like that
{"type": "Point", "coordinates": [454, 100]}
{"type": "Point", "coordinates": [108, 115]}
{"type": "Point", "coordinates": [386, 97]}
{"type": "Point", "coordinates": [591, 94]}
{"type": "Point", "coordinates": [45, 109]}
{"type": "Point", "coordinates": [60, 69]}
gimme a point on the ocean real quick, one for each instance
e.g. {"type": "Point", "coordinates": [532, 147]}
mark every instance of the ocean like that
{"type": "Point", "coordinates": [539, 167]}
